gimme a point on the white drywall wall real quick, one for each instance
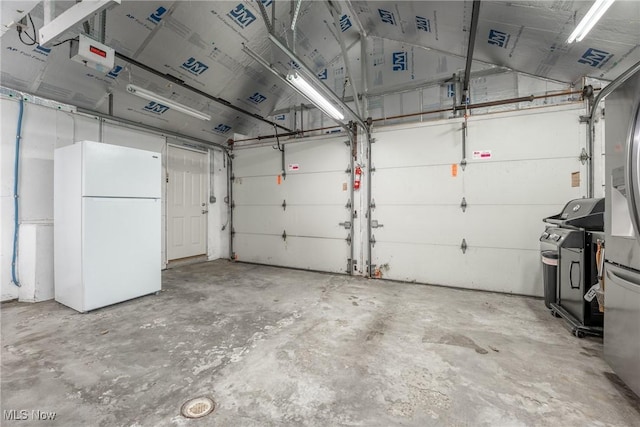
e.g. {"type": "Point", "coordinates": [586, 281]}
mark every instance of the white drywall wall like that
{"type": "Point", "coordinates": [43, 130]}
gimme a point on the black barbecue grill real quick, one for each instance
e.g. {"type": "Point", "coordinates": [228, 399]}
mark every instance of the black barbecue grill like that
{"type": "Point", "coordinates": [573, 234]}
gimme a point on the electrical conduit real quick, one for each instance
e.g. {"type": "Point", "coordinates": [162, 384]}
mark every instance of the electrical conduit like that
{"type": "Point", "coordinates": [16, 221]}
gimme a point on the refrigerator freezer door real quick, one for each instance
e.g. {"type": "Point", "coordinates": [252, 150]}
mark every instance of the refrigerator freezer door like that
{"type": "Point", "coordinates": [622, 324]}
{"type": "Point", "coordinates": [115, 171]}
{"type": "Point", "coordinates": [121, 249]}
{"type": "Point", "coordinates": [622, 140]}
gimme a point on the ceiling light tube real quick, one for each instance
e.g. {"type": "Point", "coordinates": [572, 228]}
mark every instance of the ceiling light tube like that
{"type": "Point", "coordinates": [314, 96]}
{"type": "Point", "coordinates": [590, 19]}
{"type": "Point", "coordinates": [143, 93]}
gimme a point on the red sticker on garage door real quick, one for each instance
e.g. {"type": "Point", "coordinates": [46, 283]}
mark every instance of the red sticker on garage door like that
{"type": "Point", "coordinates": [482, 154]}
{"type": "Point", "coordinates": [294, 167]}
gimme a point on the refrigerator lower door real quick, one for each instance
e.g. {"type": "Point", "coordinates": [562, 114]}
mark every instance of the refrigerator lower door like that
{"type": "Point", "coordinates": [622, 324]}
{"type": "Point", "coordinates": [121, 249]}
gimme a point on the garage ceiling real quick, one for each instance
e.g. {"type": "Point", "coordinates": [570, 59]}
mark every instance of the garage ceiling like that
{"type": "Point", "coordinates": [407, 42]}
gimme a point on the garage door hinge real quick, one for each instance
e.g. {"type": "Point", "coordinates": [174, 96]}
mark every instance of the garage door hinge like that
{"type": "Point", "coordinates": [373, 168]}
{"type": "Point", "coordinates": [284, 205]}
{"type": "Point", "coordinates": [373, 140]}
{"type": "Point", "coordinates": [463, 164]}
{"type": "Point", "coordinates": [348, 205]}
{"type": "Point", "coordinates": [348, 170]}
{"type": "Point", "coordinates": [372, 205]}
{"type": "Point", "coordinates": [376, 224]}
{"type": "Point", "coordinates": [347, 142]}
{"type": "Point", "coordinates": [233, 204]}
{"type": "Point", "coordinates": [348, 239]}
{"type": "Point", "coordinates": [584, 119]}
{"type": "Point", "coordinates": [346, 225]}
{"type": "Point", "coordinates": [233, 231]}
{"type": "Point", "coordinates": [373, 240]}
{"type": "Point", "coordinates": [233, 177]}
{"type": "Point", "coordinates": [584, 156]}
{"type": "Point", "coordinates": [463, 204]}
{"type": "Point", "coordinates": [284, 235]}
{"type": "Point", "coordinates": [463, 246]}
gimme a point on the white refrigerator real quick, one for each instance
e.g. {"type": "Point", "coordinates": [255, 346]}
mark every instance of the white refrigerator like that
{"type": "Point", "coordinates": [107, 224]}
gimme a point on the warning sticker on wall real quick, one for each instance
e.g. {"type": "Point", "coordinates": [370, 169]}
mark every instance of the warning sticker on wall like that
{"type": "Point", "coordinates": [481, 154]}
{"type": "Point", "coordinates": [294, 167]}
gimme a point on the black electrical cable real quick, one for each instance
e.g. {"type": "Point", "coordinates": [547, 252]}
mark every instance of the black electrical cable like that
{"type": "Point", "coordinates": [65, 41]}
{"type": "Point", "coordinates": [279, 147]}
{"type": "Point", "coordinates": [33, 39]}
{"type": "Point", "coordinates": [20, 37]}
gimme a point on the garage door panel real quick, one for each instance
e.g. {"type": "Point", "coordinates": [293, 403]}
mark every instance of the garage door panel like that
{"type": "Point", "coordinates": [306, 154]}
{"type": "Point", "coordinates": [316, 221]}
{"type": "Point", "coordinates": [551, 129]}
{"type": "Point", "coordinates": [422, 145]}
{"type": "Point", "coordinates": [422, 263]}
{"type": "Point", "coordinates": [261, 249]}
{"type": "Point", "coordinates": [270, 221]}
{"type": "Point", "coordinates": [255, 191]}
{"type": "Point", "coordinates": [418, 225]}
{"type": "Point", "coordinates": [495, 270]}
{"type": "Point", "coordinates": [317, 254]}
{"type": "Point", "coordinates": [523, 182]}
{"type": "Point", "coordinates": [257, 162]}
{"type": "Point", "coordinates": [317, 188]}
{"type": "Point", "coordinates": [315, 196]}
{"type": "Point", "coordinates": [506, 226]}
{"type": "Point", "coordinates": [504, 270]}
{"type": "Point", "coordinates": [418, 185]}
{"type": "Point", "coordinates": [527, 177]}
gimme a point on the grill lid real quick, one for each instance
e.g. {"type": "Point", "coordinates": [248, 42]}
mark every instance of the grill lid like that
{"type": "Point", "coordinates": [581, 213]}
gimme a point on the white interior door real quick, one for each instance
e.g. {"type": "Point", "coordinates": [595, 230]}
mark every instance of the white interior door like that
{"type": "Point", "coordinates": [187, 203]}
{"type": "Point", "coordinates": [521, 173]}
{"type": "Point", "coordinates": [293, 222]}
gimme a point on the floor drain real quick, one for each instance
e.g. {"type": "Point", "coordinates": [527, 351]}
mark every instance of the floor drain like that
{"type": "Point", "coordinates": [198, 407]}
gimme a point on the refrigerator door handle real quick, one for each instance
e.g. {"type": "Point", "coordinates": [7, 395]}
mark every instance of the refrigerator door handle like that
{"type": "Point", "coordinates": [633, 166]}
{"type": "Point", "coordinates": [635, 287]}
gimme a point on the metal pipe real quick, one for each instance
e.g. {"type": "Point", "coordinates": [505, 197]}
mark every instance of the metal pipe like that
{"type": "Point", "coordinates": [311, 75]}
{"type": "Point", "coordinates": [475, 13]}
{"type": "Point", "coordinates": [353, 202]}
{"type": "Point", "coordinates": [181, 83]}
{"type": "Point", "coordinates": [441, 110]}
{"type": "Point", "coordinates": [591, 121]}
{"type": "Point", "coordinates": [481, 105]}
{"type": "Point", "coordinates": [369, 213]}
{"type": "Point", "coordinates": [230, 204]}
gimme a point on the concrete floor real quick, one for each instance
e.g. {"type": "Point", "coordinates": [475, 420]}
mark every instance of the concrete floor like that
{"type": "Point", "coordinates": [282, 347]}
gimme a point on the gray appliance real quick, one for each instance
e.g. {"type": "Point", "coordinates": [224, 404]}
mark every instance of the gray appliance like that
{"type": "Point", "coordinates": [622, 228]}
{"type": "Point", "coordinates": [574, 232]}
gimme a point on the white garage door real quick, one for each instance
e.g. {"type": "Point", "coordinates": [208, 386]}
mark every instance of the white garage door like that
{"type": "Point", "coordinates": [521, 173]}
{"type": "Point", "coordinates": [293, 222]}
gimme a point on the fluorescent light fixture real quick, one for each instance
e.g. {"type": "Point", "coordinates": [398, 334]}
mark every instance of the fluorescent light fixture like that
{"type": "Point", "coordinates": [590, 19]}
{"type": "Point", "coordinates": [143, 93]}
{"type": "Point", "coordinates": [314, 96]}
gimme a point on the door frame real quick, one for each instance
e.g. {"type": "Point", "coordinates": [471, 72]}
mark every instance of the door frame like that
{"type": "Point", "coordinates": [166, 207]}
